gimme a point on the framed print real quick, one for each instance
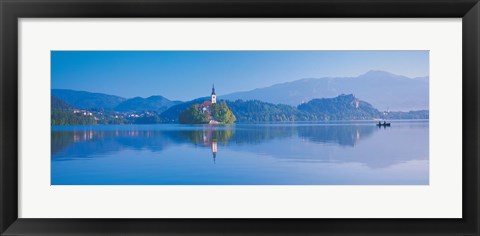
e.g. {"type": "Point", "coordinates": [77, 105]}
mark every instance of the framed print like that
{"type": "Point", "coordinates": [256, 117]}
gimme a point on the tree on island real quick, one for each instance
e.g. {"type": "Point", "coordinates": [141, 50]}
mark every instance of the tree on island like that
{"type": "Point", "coordinates": [198, 114]}
{"type": "Point", "coordinates": [193, 115]}
{"type": "Point", "coordinates": [221, 113]}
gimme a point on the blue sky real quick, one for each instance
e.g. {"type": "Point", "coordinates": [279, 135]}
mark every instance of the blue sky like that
{"type": "Point", "coordinates": [184, 75]}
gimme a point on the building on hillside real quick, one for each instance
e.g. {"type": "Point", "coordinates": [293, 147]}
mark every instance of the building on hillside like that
{"type": "Point", "coordinates": [205, 106]}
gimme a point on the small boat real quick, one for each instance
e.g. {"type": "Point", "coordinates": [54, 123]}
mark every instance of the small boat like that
{"type": "Point", "coordinates": [384, 124]}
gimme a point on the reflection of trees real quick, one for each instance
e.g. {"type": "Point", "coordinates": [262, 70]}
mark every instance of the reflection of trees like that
{"type": "Point", "coordinates": [84, 142]}
{"type": "Point", "coordinates": [345, 135]}
{"type": "Point", "coordinates": [256, 134]}
{"type": "Point", "coordinates": [207, 135]}
{"type": "Point", "coordinates": [60, 140]}
{"type": "Point", "coordinates": [296, 141]}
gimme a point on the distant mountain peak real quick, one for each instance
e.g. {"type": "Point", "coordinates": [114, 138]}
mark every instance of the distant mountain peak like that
{"type": "Point", "coordinates": [344, 106]}
{"type": "Point", "coordinates": [381, 88]}
{"type": "Point", "coordinates": [422, 78]}
{"type": "Point", "coordinates": [157, 97]}
{"type": "Point", "coordinates": [350, 95]}
{"type": "Point", "coordinates": [87, 100]}
{"type": "Point", "coordinates": [152, 103]}
{"type": "Point", "coordinates": [377, 72]}
{"type": "Point", "coordinates": [374, 74]}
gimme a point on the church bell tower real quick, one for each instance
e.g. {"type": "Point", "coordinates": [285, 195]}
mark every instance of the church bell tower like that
{"type": "Point", "coordinates": [214, 96]}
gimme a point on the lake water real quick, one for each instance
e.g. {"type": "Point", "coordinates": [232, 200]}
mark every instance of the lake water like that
{"type": "Point", "coordinates": [342, 153]}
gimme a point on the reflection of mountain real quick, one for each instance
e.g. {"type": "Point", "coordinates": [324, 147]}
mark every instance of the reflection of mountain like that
{"type": "Point", "coordinates": [299, 142]}
{"type": "Point", "coordinates": [84, 143]}
{"type": "Point", "coordinates": [364, 144]}
{"type": "Point", "coordinates": [257, 134]}
{"type": "Point", "coordinates": [87, 141]}
{"type": "Point", "coordinates": [345, 135]}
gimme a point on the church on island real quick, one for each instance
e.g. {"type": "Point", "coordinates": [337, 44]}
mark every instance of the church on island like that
{"type": "Point", "coordinates": [210, 111]}
{"type": "Point", "coordinates": [207, 134]}
{"type": "Point", "coordinates": [205, 106]}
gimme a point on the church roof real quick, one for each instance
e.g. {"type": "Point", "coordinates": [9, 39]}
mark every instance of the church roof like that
{"type": "Point", "coordinates": [206, 103]}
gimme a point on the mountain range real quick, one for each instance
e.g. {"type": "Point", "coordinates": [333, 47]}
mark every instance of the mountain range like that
{"type": "Point", "coordinates": [384, 90]}
{"type": "Point", "coordinates": [100, 101]}
{"type": "Point", "coordinates": [152, 103]}
{"type": "Point", "coordinates": [342, 107]}
{"type": "Point", "coordinates": [88, 100]}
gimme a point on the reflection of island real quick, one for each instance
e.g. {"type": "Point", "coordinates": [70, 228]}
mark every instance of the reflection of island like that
{"type": "Point", "coordinates": [209, 136]}
{"type": "Point", "coordinates": [279, 141]}
{"type": "Point", "coordinates": [214, 150]}
{"type": "Point", "coordinates": [156, 140]}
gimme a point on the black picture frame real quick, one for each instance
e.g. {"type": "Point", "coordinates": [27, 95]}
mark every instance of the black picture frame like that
{"type": "Point", "coordinates": [12, 10]}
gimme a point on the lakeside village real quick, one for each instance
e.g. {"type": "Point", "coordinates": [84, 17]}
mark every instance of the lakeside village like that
{"type": "Point", "coordinates": [208, 112]}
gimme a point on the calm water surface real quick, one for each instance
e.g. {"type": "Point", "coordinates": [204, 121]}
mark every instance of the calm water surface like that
{"type": "Point", "coordinates": [343, 153]}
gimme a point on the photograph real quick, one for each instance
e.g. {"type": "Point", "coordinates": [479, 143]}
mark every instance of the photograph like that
{"type": "Point", "coordinates": [276, 117]}
{"type": "Point", "coordinates": [240, 117]}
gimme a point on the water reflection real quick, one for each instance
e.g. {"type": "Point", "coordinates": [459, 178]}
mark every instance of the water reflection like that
{"type": "Point", "coordinates": [242, 154]}
{"type": "Point", "coordinates": [84, 142]}
{"type": "Point", "coordinates": [344, 135]}
{"type": "Point", "coordinates": [209, 136]}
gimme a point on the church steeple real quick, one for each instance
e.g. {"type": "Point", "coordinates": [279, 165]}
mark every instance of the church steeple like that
{"type": "Point", "coordinates": [214, 96]}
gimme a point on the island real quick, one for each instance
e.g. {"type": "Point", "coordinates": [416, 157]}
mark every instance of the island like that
{"type": "Point", "coordinates": [208, 112]}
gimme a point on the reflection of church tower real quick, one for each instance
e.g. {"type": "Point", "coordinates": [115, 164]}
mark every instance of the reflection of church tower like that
{"type": "Point", "coordinates": [214, 150]}
{"type": "Point", "coordinates": [214, 96]}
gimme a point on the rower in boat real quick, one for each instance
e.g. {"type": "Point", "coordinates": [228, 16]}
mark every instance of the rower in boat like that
{"type": "Point", "coordinates": [385, 124]}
